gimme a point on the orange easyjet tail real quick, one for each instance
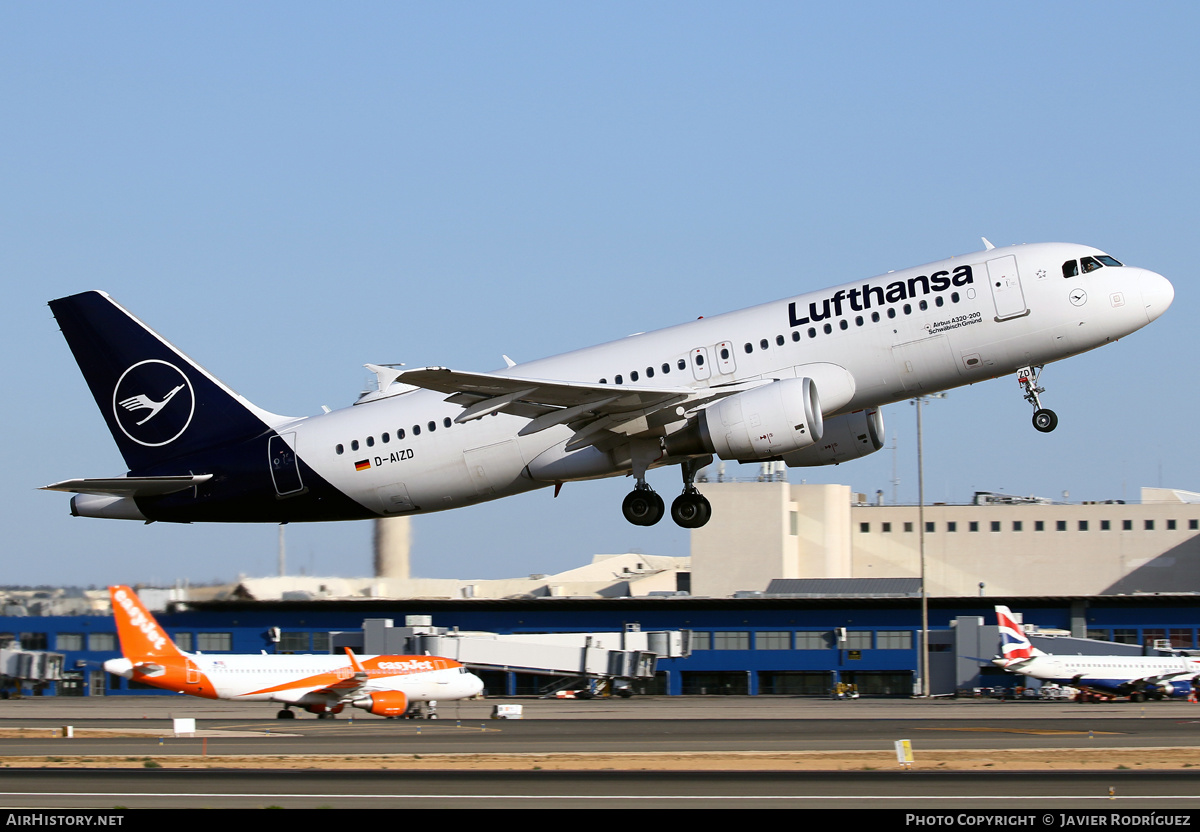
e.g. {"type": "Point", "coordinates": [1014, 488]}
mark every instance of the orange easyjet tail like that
{"type": "Point", "coordinates": [141, 637]}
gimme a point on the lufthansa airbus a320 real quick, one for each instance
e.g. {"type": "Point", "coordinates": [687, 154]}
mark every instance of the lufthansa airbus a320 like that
{"type": "Point", "coordinates": [799, 380]}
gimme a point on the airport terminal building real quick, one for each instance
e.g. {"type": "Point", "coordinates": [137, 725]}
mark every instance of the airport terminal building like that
{"type": "Point", "coordinates": [809, 586]}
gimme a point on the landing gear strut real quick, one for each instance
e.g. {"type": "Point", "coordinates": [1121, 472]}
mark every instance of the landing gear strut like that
{"type": "Point", "coordinates": [1044, 420]}
{"type": "Point", "coordinates": [690, 509]}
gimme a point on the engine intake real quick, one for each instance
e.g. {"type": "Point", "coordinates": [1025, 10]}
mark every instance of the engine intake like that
{"type": "Point", "coordinates": [762, 423]}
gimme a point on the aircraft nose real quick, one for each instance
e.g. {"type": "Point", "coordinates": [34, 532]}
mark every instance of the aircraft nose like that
{"type": "Point", "coordinates": [1157, 293]}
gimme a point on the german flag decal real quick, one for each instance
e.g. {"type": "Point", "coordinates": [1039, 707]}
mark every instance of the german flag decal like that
{"type": "Point", "coordinates": [363, 465]}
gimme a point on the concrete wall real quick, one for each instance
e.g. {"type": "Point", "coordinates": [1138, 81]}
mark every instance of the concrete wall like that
{"type": "Point", "coordinates": [766, 530]}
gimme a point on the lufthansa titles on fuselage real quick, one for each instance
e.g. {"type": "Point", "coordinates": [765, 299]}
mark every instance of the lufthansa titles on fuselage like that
{"type": "Point", "coordinates": [861, 299]}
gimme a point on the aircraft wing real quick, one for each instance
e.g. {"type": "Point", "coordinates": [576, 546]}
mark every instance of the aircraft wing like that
{"type": "Point", "coordinates": [592, 410]}
{"type": "Point", "coordinates": [129, 486]}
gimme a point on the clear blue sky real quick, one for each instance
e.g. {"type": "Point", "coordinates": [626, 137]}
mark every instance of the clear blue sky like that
{"type": "Point", "coordinates": [289, 190]}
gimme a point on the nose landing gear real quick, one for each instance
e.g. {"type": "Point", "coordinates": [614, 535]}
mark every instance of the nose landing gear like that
{"type": "Point", "coordinates": [1044, 420]}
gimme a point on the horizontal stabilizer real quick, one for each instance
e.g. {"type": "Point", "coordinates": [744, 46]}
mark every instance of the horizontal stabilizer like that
{"type": "Point", "coordinates": [129, 486]}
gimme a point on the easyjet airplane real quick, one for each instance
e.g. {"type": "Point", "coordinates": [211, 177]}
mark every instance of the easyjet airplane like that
{"type": "Point", "coordinates": [323, 685]}
{"type": "Point", "coordinates": [799, 380]}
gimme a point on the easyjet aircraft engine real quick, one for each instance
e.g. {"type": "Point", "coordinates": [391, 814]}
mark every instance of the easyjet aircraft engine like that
{"type": "Point", "coordinates": [846, 437]}
{"type": "Point", "coordinates": [383, 703]}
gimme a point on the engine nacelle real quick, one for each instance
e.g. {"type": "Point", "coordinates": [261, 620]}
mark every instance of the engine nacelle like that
{"type": "Point", "coordinates": [322, 708]}
{"type": "Point", "coordinates": [762, 423]}
{"type": "Point", "coordinates": [1165, 688]}
{"type": "Point", "coordinates": [846, 437]}
{"type": "Point", "coordinates": [383, 703]}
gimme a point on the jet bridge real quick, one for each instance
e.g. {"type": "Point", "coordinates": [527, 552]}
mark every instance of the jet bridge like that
{"type": "Point", "coordinates": [631, 653]}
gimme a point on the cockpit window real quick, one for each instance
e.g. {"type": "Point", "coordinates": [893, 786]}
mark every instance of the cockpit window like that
{"type": "Point", "coordinates": [1090, 264]}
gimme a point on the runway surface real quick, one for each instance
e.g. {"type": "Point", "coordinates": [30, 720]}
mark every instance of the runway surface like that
{"type": "Point", "coordinates": [137, 734]}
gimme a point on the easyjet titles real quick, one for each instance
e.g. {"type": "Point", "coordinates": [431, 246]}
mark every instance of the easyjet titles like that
{"type": "Point", "coordinates": [140, 621]}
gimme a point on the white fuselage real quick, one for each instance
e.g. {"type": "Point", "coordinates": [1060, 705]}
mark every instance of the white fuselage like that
{"type": "Point", "coordinates": [293, 679]}
{"type": "Point", "coordinates": [897, 335]}
{"type": "Point", "coordinates": [1108, 672]}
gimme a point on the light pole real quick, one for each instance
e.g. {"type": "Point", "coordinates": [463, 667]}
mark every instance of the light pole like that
{"type": "Point", "coordinates": [923, 657]}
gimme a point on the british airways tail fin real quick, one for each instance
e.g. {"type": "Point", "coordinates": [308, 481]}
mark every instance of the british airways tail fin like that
{"type": "Point", "coordinates": [1015, 646]}
{"type": "Point", "coordinates": [142, 639]}
{"type": "Point", "coordinates": [158, 403]}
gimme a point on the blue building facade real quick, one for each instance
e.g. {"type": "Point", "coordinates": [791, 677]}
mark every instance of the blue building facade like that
{"type": "Point", "coordinates": [758, 646]}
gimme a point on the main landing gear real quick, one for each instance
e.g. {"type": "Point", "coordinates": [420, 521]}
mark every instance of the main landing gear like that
{"type": "Point", "coordinates": [643, 507]}
{"type": "Point", "coordinates": [1044, 420]}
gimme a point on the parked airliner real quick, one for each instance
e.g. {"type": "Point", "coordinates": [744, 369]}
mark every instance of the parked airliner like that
{"type": "Point", "coordinates": [320, 684]}
{"type": "Point", "coordinates": [1138, 677]}
{"type": "Point", "coordinates": [799, 380]}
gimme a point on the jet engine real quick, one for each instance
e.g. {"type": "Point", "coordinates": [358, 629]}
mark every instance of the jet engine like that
{"type": "Point", "coordinates": [383, 703]}
{"type": "Point", "coordinates": [846, 437]}
{"type": "Point", "coordinates": [762, 423]}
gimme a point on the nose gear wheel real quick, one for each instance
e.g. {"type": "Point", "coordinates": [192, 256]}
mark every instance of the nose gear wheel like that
{"type": "Point", "coordinates": [1044, 420]}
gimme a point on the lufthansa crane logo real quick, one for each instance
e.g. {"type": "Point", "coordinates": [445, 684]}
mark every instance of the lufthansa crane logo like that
{"type": "Point", "coordinates": [153, 403]}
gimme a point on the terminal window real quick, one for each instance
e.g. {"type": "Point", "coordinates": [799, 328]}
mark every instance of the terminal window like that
{"type": "Point", "coordinates": [1083, 525]}
{"type": "Point", "coordinates": [293, 643]}
{"type": "Point", "coordinates": [183, 641]}
{"type": "Point", "coordinates": [893, 640]}
{"type": "Point", "coordinates": [951, 526]}
{"type": "Point", "coordinates": [814, 641]}
{"type": "Point", "coordinates": [865, 528]}
{"type": "Point", "coordinates": [69, 641]}
{"type": "Point", "coordinates": [1149, 525]}
{"type": "Point", "coordinates": [1039, 525]}
{"type": "Point", "coordinates": [1170, 525]}
{"type": "Point", "coordinates": [1017, 525]}
{"type": "Point", "coordinates": [98, 642]}
{"type": "Point", "coordinates": [731, 640]}
{"type": "Point", "coordinates": [1060, 525]}
{"type": "Point", "coordinates": [1127, 525]}
{"type": "Point", "coordinates": [213, 642]}
{"type": "Point", "coordinates": [1125, 636]}
{"type": "Point", "coordinates": [974, 525]}
{"type": "Point", "coordinates": [773, 641]}
{"type": "Point", "coordinates": [995, 525]}
{"type": "Point", "coordinates": [887, 527]}
{"type": "Point", "coordinates": [1105, 525]}
{"type": "Point", "coordinates": [857, 640]}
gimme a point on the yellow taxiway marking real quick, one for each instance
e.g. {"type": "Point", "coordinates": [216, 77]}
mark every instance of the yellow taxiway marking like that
{"type": "Point", "coordinates": [1049, 731]}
